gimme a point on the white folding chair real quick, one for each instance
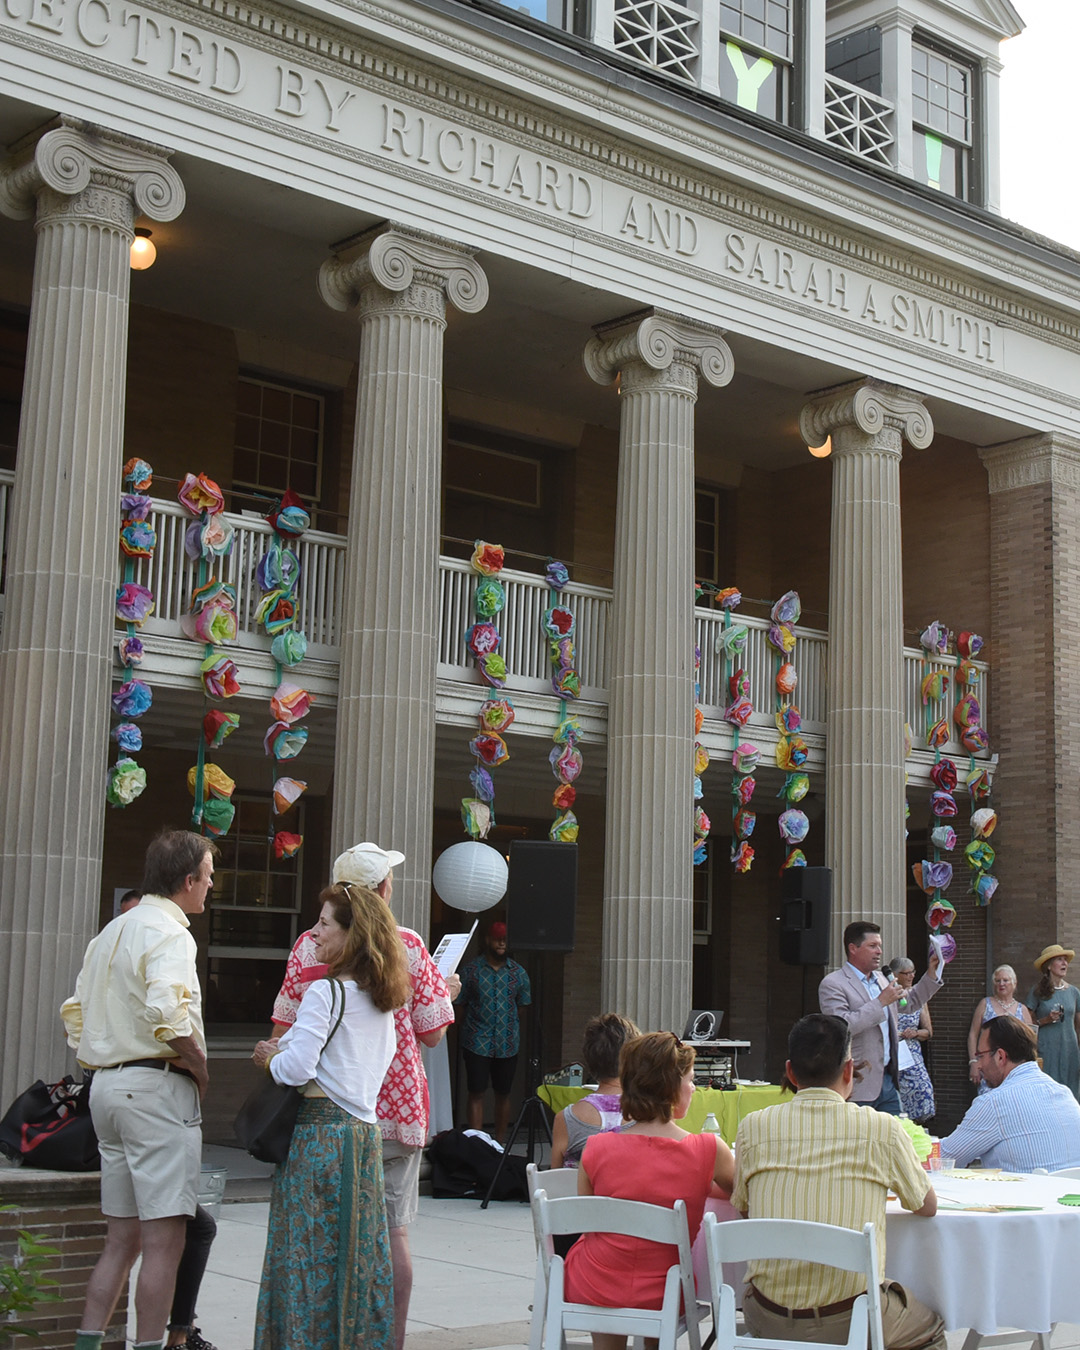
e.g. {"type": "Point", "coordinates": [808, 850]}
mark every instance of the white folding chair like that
{"type": "Point", "coordinates": [557, 1183]}
{"type": "Point", "coordinates": [794, 1240]}
{"type": "Point", "coordinates": [628, 1218]}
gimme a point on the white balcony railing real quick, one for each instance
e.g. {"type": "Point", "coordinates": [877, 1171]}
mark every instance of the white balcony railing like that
{"type": "Point", "coordinates": [524, 645]}
{"type": "Point", "coordinates": [758, 660]}
{"type": "Point", "coordinates": [171, 576]}
{"type": "Point", "coordinates": [858, 121]}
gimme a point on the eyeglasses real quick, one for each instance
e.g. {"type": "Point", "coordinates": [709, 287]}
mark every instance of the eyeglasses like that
{"type": "Point", "coordinates": [979, 1053]}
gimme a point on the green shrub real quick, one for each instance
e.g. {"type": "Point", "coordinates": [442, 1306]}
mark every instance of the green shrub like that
{"type": "Point", "coordinates": [23, 1283]}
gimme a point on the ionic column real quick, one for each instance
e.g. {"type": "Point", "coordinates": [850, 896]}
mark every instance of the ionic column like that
{"type": "Point", "coordinates": [1033, 646]}
{"type": "Point", "coordinates": [648, 884]}
{"type": "Point", "coordinates": [864, 774]}
{"type": "Point", "coordinates": [85, 186]}
{"type": "Point", "coordinates": [399, 283]}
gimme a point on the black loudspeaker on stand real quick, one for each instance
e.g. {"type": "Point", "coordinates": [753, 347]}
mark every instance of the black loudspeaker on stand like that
{"type": "Point", "coordinates": [541, 899]}
{"type": "Point", "coordinates": [805, 916]}
{"type": "Point", "coordinates": [541, 902]}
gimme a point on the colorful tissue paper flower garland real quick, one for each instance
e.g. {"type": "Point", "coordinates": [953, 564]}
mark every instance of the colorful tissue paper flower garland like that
{"type": "Point", "coordinates": [730, 644]}
{"type": "Point", "coordinates": [134, 605]}
{"type": "Point", "coordinates": [278, 574]}
{"type": "Point", "coordinates": [935, 875]}
{"type": "Point", "coordinates": [559, 625]}
{"type": "Point", "coordinates": [968, 717]}
{"type": "Point", "coordinates": [483, 640]}
{"type": "Point", "coordinates": [791, 750]}
{"type": "Point", "coordinates": [701, 763]}
{"type": "Point", "coordinates": [211, 621]}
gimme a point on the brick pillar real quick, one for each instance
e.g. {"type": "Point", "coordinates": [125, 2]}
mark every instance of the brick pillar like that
{"type": "Point", "coordinates": [648, 873]}
{"type": "Point", "coordinates": [1034, 651]}
{"type": "Point", "coordinates": [399, 282]}
{"type": "Point", "coordinates": [864, 771]}
{"type": "Point", "coordinates": [61, 1210]}
{"type": "Point", "coordinates": [83, 186]}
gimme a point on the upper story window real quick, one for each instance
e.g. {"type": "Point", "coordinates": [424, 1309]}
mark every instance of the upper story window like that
{"type": "Point", "coordinates": [943, 119]}
{"type": "Point", "coordinates": [279, 438]}
{"type": "Point", "coordinates": [503, 488]}
{"type": "Point", "coordinates": [756, 52]}
{"type": "Point", "coordinates": [713, 553]}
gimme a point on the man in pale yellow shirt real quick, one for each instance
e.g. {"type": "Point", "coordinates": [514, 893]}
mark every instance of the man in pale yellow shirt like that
{"type": "Point", "coordinates": [821, 1157]}
{"type": "Point", "coordinates": [136, 1020]}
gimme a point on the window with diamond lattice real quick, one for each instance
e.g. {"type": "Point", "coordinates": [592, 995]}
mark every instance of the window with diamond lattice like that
{"type": "Point", "coordinates": [943, 115]}
{"type": "Point", "coordinates": [660, 34]}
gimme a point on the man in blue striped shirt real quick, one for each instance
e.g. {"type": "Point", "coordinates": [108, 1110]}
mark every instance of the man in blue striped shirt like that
{"type": "Point", "coordinates": [1028, 1121]}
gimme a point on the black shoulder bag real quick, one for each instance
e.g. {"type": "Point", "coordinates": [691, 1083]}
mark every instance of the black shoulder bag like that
{"type": "Point", "coordinates": [265, 1122]}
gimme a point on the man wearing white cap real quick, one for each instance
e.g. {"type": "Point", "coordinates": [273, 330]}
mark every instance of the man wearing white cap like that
{"type": "Point", "coordinates": [402, 1108]}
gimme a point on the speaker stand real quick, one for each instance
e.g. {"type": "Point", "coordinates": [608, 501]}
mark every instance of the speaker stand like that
{"type": "Point", "coordinates": [532, 1114]}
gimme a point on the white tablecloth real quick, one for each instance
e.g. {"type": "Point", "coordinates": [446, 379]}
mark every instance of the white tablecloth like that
{"type": "Point", "coordinates": [991, 1271]}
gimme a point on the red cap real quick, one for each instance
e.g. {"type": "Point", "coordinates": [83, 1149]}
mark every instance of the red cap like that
{"type": "Point", "coordinates": [497, 930]}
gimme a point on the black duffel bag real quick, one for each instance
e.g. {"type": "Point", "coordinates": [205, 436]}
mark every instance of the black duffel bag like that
{"type": "Point", "coordinates": [49, 1126]}
{"type": "Point", "coordinates": [463, 1165]}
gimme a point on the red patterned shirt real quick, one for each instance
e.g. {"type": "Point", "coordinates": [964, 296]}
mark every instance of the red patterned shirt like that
{"type": "Point", "coordinates": [402, 1108]}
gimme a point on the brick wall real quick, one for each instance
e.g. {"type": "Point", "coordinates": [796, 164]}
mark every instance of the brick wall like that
{"type": "Point", "coordinates": [61, 1210]}
{"type": "Point", "coordinates": [945, 539]}
{"type": "Point", "coordinates": [181, 395]}
{"type": "Point", "coordinates": [1035, 590]}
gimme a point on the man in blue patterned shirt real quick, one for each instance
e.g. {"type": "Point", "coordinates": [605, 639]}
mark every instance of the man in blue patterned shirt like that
{"type": "Point", "coordinates": [1028, 1120]}
{"type": "Point", "coordinates": [493, 988]}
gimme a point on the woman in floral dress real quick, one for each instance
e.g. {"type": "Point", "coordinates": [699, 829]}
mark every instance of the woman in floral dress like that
{"type": "Point", "coordinates": [915, 1028]}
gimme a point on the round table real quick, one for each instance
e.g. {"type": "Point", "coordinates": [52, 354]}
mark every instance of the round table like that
{"type": "Point", "coordinates": [985, 1270]}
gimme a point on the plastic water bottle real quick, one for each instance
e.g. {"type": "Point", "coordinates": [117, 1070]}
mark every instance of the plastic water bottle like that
{"type": "Point", "coordinates": [711, 1126]}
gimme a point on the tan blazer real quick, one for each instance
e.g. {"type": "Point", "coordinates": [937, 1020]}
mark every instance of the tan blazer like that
{"type": "Point", "coordinates": [844, 995]}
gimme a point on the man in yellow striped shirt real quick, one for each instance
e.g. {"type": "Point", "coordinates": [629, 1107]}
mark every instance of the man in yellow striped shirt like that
{"type": "Point", "coordinates": [822, 1158]}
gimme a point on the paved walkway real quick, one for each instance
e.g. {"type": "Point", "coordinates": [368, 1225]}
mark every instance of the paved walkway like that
{"type": "Point", "coordinates": [473, 1268]}
{"type": "Point", "coordinates": [473, 1271]}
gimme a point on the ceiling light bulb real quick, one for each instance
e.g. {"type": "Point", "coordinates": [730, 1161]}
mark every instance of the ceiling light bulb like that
{"type": "Point", "coordinates": [821, 451]}
{"type": "Point", "coordinates": [143, 251]}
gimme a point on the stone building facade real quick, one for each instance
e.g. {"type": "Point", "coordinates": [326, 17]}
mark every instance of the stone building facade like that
{"type": "Point", "coordinates": [587, 284]}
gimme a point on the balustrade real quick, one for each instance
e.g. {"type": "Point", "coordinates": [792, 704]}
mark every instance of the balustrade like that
{"type": "Point", "coordinates": [171, 576]}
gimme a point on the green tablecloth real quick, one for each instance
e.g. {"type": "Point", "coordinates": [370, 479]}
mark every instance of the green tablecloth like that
{"type": "Point", "coordinates": [728, 1107]}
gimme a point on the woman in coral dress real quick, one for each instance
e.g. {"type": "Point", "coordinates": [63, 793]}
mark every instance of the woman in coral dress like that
{"type": "Point", "coordinates": [651, 1159]}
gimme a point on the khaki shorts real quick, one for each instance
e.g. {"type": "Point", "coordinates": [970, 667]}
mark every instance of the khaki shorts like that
{"type": "Point", "coordinates": [149, 1130]}
{"type": "Point", "coordinates": [401, 1174]}
{"type": "Point", "coordinates": [906, 1323]}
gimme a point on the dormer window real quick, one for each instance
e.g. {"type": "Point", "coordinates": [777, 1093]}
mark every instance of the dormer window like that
{"type": "Point", "coordinates": [942, 109]}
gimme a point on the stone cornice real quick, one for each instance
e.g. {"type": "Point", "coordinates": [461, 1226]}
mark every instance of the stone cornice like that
{"type": "Point", "coordinates": [872, 406]}
{"type": "Point", "coordinates": [658, 341]}
{"type": "Point", "coordinates": [606, 153]}
{"type": "Point", "coordinates": [485, 107]}
{"type": "Point", "coordinates": [1034, 461]}
{"type": "Point", "coordinates": [70, 156]}
{"type": "Point", "coordinates": [396, 259]}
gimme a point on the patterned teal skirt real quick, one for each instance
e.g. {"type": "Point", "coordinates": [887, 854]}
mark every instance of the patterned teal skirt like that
{"type": "Point", "coordinates": [327, 1281]}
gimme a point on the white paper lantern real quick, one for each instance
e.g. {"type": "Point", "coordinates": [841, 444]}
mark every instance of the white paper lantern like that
{"type": "Point", "coordinates": [470, 876]}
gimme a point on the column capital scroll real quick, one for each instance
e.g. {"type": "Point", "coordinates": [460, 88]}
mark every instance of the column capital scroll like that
{"type": "Point", "coordinates": [658, 340]}
{"type": "Point", "coordinates": [870, 405]}
{"type": "Point", "coordinates": [72, 155]}
{"type": "Point", "coordinates": [395, 259]}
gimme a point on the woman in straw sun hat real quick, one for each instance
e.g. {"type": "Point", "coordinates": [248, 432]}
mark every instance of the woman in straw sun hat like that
{"type": "Point", "coordinates": [1055, 1007]}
